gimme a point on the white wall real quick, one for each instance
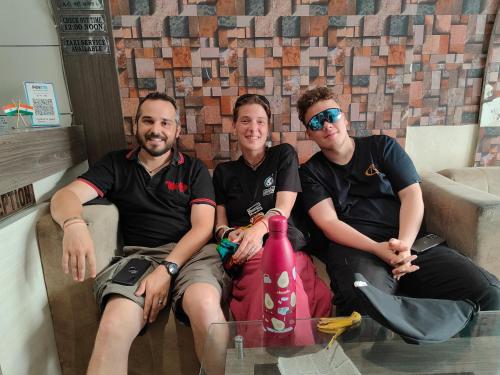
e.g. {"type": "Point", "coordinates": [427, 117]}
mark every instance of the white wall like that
{"type": "Point", "coordinates": [27, 345]}
{"type": "Point", "coordinates": [433, 148]}
{"type": "Point", "coordinates": [29, 51]}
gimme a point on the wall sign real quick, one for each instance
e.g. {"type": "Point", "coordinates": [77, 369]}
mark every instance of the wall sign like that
{"type": "Point", "coordinates": [78, 23]}
{"type": "Point", "coordinates": [90, 45]}
{"type": "Point", "coordinates": [16, 200]}
{"type": "Point", "coordinates": [81, 4]}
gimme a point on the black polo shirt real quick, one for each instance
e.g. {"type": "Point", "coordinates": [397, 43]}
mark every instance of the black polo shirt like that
{"type": "Point", "coordinates": [364, 191]}
{"type": "Point", "coordinates": [153, 210]}
{"type": "Point", "coordinates": [245, 192]}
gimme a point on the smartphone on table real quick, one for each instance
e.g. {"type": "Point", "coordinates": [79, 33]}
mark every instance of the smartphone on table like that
{"type": "Point", "coordinates": [132, 271]}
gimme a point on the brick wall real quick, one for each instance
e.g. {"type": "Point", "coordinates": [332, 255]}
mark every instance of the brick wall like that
{"type": "Point", "coordinates": [392, 63]}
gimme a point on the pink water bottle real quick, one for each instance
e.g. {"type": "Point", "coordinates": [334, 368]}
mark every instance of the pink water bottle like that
{"type": "Point", "coordinates": [278, 268]}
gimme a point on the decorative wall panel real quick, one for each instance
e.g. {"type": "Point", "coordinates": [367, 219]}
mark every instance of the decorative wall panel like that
{"type": "Point", "coordinates": [392, 63]}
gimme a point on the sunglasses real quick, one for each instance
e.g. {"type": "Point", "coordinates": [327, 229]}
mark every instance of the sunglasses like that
{"type": "Point", "coordinates": [241, 99]}
{"type": "Point", "coordinates": [317, 122]}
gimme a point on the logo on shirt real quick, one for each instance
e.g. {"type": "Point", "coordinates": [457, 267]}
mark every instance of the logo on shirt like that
{"type": "Point", "coordinates": [269, 185]}
{"type": "Point", "coordinates": [176, 186]}
{"type": "Point", "coordinates": [268, 181]}
{"type": "Point", "coordinates": [254, 209]}
{"type": "Point", "coordinates": [371, 170]}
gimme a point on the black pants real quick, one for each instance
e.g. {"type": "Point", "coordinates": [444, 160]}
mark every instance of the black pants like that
{"type": "Point", "coordinates": [443, 274]}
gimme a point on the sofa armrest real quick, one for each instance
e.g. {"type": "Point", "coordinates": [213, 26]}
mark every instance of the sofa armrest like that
{"type": "Point", "coordinates": [466, 217]}
{"type": "Point", "coordinates": [73, 308]}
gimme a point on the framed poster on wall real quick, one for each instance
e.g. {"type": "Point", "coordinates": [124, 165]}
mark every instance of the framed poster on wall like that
{"type": "Point", "coordinates": [42, 97]}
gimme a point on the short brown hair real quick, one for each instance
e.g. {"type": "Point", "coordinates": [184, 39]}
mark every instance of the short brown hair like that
{"type": "Point", "coordinates": [311, 97]}
{"type": "Point", "coordinates": [252, 99]}
{"type": "Point", "coordinates": [157, 96]}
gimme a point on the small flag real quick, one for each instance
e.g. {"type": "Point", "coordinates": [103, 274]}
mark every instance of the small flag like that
{"type": "Point", "coordinates": [13, 110]}
{"type": "Point", "coordinates": [25, 109]}
{"type": "Point", "coordinates": [10, 109]}
{"type": "Point", "coordinates": [18, 110]}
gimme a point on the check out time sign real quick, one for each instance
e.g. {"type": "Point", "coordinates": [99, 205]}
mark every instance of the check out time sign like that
{"type": "Point", "coordinates": [78, 23]}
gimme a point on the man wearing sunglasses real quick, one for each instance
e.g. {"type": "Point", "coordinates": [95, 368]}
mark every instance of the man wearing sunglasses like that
{"type": "Point", "coordinates": [364, 199]}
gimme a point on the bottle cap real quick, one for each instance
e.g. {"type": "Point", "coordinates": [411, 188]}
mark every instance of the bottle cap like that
{"type": "Point", "coordinates": [278, 223]}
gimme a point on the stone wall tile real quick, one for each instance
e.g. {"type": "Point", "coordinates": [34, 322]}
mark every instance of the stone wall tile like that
{"type": "Point", "coordinates": [392, 63]}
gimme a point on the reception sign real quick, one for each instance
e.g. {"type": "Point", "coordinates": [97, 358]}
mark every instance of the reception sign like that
{"type": "Point", "coordinates": [16, 200]}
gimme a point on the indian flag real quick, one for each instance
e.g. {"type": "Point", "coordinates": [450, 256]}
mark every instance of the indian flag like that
{"type": "Point", "coordinates": [25, 109]}
{"type": "Point", "coordinates": [10, 109]}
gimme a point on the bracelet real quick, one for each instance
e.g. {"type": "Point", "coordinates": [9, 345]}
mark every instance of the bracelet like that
{"type": "Point", "coordinates": [217, 229]}
{"type": "Point", "coordinates": [225, 234]}
{"type": "Point", "coordinates": [276, 211]}
{"type": "Point", "coordinates": [74, 222]}
{"type": "Point", "coordinates": [263, 222]}
{"type": "Point", "coordinates": [261, 219]}
{"type": "Point", "coordinates": [70, 219]}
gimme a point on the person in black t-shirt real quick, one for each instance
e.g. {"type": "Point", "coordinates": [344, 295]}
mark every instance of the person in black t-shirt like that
{"type": "Point", "coordinates": [166, 205]}
{"type": "Point", "coordinates": [261, 183]}
{"type": "Point", "coordinates": [363, 195]}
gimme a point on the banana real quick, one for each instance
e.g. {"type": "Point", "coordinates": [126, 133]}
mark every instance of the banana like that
{"type": "Point", "coordinates": [338, 325]}
{"type": "Point", "coordinates": [332, 325]}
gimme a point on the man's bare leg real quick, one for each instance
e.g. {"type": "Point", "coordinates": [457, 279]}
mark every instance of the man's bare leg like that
{"type": "Point", "coordinates": [120, 324]}
{"type": "Point", "coordinates": [201, 303]}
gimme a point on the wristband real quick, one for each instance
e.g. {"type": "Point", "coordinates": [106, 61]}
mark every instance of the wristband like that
{"type": "Point", "coordinates": [70, 219]}
{"type": "Point", "coordinates": [217, 229]}
{"type": "Point", "coordinates": [263, 222]}
{"type": "Point", "coordinates": [275, 211]}
{"type": "Point", "coordinates": [225, 234]}
{"type": "Point", "coordinates": [74, 222]}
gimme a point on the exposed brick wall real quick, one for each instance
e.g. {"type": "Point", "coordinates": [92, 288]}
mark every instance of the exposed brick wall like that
{"type": "Point", "coordinates": [392, 63]}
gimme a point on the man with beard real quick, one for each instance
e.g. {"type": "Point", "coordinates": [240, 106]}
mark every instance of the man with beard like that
{"type": "Point", "coordinates": [166, 205]}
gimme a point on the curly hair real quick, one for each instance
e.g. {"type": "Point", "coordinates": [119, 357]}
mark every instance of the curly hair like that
{"type": "Point", "coordinates": [311, 97]}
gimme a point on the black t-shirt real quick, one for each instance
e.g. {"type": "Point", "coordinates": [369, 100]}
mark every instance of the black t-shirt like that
{"type": "Point", "coordinates": [245, 192]}
{"type": "Point", "coordinates": [153, 210]}
{"type": "Point", "coordinates": [364, 191]}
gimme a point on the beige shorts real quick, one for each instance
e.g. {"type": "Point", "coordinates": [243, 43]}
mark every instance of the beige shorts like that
{"type": "Point", "coordinates": [204, 267]}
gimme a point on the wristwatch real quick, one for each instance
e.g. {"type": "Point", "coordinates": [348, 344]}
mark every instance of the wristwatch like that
{"type": "Point", "coordinates": [172, 268]}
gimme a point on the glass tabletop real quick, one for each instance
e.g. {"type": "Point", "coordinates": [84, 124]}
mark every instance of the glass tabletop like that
{"type": "Point", "coordinates": [243, 348]}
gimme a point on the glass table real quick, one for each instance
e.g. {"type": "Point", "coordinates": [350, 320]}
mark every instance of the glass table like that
{"type": "Point", "coordinates": [372, 348]}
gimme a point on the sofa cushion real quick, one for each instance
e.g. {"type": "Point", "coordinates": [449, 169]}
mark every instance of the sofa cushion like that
{"type": "Point", "coordinates": [485, 179]}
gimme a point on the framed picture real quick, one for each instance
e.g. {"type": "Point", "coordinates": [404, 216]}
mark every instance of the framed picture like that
{"type": "Point", "coordinates": [42, 97]}
{"type": "Point", "coordinates": [488, 147]}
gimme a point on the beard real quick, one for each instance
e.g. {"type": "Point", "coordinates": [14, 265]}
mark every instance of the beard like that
{"type": "Point", "coordinates": [154, 150]}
